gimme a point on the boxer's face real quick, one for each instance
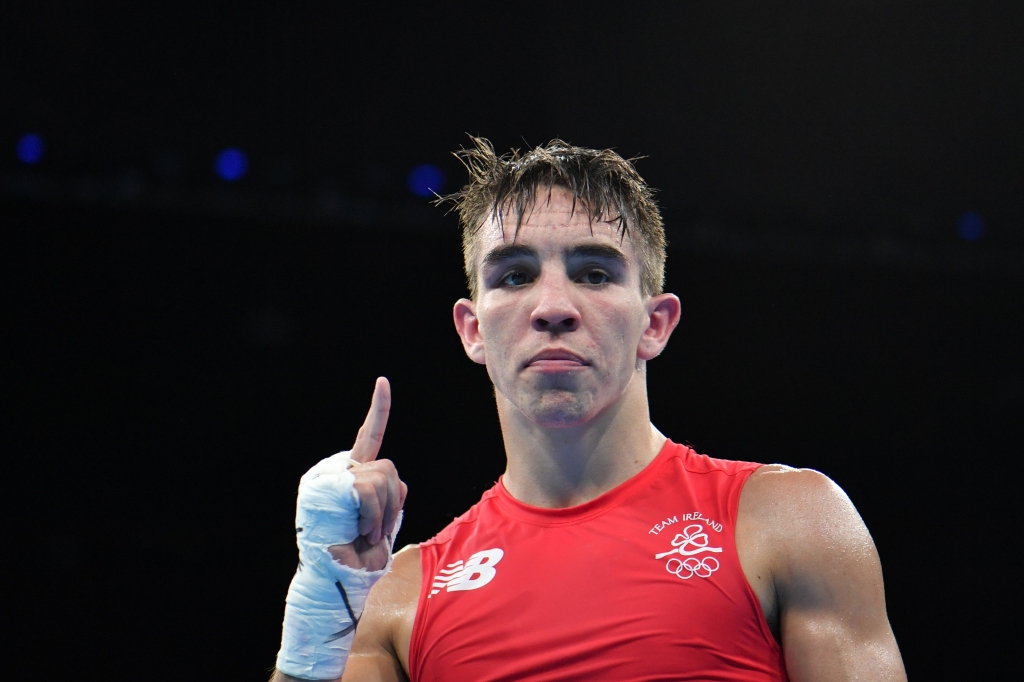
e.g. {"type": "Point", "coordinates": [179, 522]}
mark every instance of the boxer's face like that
{"type": "Point", "coordinates": [559, 317]}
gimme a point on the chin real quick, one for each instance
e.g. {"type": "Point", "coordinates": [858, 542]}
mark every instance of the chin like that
{"type": "Point", "coordinates": [561, 411]}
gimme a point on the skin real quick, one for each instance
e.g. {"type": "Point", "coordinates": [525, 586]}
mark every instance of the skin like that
{"type": "Point", "coordinates": [565, 333]}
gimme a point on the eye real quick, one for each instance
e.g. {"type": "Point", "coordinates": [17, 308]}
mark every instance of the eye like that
{"type": "Point", "coordinates": [595, 277]}
{"type": "Point", "coordinates": [515, 278]}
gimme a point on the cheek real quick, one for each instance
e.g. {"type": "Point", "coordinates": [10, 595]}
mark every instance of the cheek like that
{"type": "Point", "coordinates": [625, 324]}
{"type": "Point", "coordinates": [496, 327]}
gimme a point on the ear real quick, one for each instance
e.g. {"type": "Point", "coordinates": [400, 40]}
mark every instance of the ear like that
{"type": "Point", "coordinates": [468, 326]}
{"type": "Point", "coordinates": [663, 313]}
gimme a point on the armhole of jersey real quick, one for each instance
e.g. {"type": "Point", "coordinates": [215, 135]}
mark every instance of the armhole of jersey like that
{"type": "Point", "coordinates": [734, 510]}
{"type": "Point", "coordinates": [428, 559]}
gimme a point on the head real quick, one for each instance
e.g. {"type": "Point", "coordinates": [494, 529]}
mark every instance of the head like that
{"type": "Point", "coordinates": [564, 252]}
{"type": "Point", "coordinates": [604, 186]}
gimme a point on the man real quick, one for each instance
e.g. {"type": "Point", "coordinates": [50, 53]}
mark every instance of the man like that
{"type": "Point", "coordinates": [605, 552]}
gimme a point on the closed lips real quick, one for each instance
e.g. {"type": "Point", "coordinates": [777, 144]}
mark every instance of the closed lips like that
{"type": "Point", "coordinates": [557, 356]}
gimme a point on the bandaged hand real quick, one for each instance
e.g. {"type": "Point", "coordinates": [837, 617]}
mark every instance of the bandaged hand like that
{"type": "Point", "coordinates": [348, 513]}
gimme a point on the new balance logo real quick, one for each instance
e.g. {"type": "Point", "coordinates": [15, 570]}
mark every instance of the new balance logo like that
{"type": "Point", "coordinates": [476, 572]}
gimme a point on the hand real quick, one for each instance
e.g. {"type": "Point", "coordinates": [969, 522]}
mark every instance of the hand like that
{"type": "Point", "coordinates": [381, 493]}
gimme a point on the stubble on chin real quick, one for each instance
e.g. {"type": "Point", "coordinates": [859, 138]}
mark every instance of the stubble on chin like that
{"type": "Point", "coordinates": [558, 408]}
{"type": "Point", "coordinates": [550, 401]}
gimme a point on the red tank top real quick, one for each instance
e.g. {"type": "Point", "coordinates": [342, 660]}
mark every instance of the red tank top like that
{"type": "Point", "coordinates": [641, 583]}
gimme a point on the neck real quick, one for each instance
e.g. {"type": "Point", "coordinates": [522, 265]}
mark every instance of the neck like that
{"type": "Point", "coordinates": [564, 467]}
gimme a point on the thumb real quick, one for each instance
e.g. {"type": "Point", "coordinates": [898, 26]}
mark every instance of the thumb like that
{"type": "Point", "coordinates": [371, 433]}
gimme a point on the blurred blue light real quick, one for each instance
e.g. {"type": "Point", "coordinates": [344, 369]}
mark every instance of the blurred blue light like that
{"type": "Point", "coordinates": [30, 148]}
{"type": "Point", "coordinates": [231, 164]}
{"type": "Point", "coordinates": [970, 226]}
{"type": "Point", "coordinates": [425, 180]}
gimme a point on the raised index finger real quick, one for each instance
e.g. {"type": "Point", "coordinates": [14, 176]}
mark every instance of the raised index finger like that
{"type": "Point", "coordinates": [371, 433]}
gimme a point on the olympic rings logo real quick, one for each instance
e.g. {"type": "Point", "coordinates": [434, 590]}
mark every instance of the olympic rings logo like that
{"type": "Point", "coordinates": [692, 566]}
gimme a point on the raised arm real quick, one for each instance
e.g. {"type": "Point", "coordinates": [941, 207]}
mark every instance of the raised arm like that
{"type": "Point", "coordinates": [825, 573]}
{"type": "Point", "coordinates": [347, 514]}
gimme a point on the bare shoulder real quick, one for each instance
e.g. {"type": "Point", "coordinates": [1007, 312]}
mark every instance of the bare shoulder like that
{"type": "Point", "coordinates": [779, 489]}
{"type": "Point", "coordinates": [781, 513]}
{"type": "Point", "coordinates": [381, 647]}
{"type": "Point", "coordinates": [803, 512]}
{"type": "Point", "coordinates": [777, 484]}
{"type": "Point", "coordinates": [811, 559]}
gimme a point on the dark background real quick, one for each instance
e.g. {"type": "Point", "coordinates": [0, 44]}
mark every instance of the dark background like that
{"type": "Point", "coordinates": [178, 349]}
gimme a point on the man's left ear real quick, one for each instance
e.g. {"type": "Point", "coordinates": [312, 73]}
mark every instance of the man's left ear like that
{"type": "Point", "coordinates": [663, 313]}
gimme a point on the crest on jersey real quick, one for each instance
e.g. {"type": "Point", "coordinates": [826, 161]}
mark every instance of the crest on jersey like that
{"type": "Point", "coordinates": [693, 554]}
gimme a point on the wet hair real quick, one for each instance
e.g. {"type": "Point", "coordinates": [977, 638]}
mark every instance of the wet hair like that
{"type": "Point", "coordinates": [601, 182]}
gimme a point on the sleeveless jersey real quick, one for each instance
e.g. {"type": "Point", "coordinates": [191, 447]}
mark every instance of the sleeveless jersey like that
{"type": "Point", "coordinates": [641, 583]}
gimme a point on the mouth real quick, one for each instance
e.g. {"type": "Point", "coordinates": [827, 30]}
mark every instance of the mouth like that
{"type": "Point", "coordinates": [556, 360]}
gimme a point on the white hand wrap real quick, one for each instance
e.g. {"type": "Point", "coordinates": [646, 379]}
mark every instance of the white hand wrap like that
{"type": "Point", "coordinates": [325, 599]}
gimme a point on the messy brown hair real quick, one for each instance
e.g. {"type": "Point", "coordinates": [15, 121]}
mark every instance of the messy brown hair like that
{"type": "Point", "coordinates": [606, 186]}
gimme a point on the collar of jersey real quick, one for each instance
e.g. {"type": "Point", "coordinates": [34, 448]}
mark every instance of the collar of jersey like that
{"type": "Point", "coordinates": [601, 504]}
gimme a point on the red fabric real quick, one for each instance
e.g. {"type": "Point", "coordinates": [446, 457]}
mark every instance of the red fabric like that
{"type": "Point", "coordinates": [577, 594]}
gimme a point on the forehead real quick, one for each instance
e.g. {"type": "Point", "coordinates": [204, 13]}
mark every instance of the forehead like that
{"type": "Point", "coordinates": [553, 222]}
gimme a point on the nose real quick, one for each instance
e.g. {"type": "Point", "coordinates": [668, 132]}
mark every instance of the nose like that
{"type": "Point", "coordinates": [555, 311]}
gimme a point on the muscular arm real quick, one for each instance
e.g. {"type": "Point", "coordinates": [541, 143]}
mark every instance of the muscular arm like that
{"type": "Point", "coordinates": [347, 513]}
{"type": "Point", "coordinates": [822, 569]}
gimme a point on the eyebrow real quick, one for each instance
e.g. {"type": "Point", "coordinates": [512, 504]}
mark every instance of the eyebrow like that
{"type": "Point", "coordinates": [508, 252]}
{"type": "Point", "coordinates": [603, 251]}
